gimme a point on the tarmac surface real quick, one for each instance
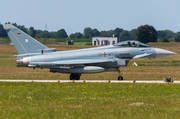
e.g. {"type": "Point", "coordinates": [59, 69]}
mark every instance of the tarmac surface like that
{"type": "Point", "coordinates": [87, 81]}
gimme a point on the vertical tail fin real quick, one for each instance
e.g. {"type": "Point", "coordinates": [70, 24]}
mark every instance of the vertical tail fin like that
{"type": "Point", "coordinates": [23, 42]}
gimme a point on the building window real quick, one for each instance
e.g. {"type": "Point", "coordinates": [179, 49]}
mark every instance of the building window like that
{"type": "Point", "coordinates": [97, 41]}
{"type": "Point", "coordinates": [106, 42]}
{"type": "Point", "coordinates": [102, 42]}
{"type": "Point", "coordinates": [113, 42]}
{"type": "Point", "coordinates": [94, 42]}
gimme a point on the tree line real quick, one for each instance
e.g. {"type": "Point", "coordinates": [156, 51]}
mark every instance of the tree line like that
{"type": "Point", "coordinates": [89, 33]}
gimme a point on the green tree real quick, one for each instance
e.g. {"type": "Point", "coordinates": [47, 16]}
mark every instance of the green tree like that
{"type": "Point", "coordinates": [176, 39]}
{"type": "Point", "coordinates": [39, 33]}
{"type": "Point", "coordinates": [45, 34]}
{"type": "Point", "coordinates": [78, 35]}
{"type": "Point", "coordinates": [169, 33]}
{"type": "Point", "coordinates": [8, 23]}
{"type": "Point", "coordinates": [61, 34]}
{"type": "Point", "coordinates": [23, 28]}
{"type": "Point", "coordinates": [161, 34]}
{"type": "Point", "coordinates": [72, 35]}
{"type": "Point", "coordinates": [117, 31]}
{"type": "Point", "coordinates": [132, 33]}
{"type": "Point", "coordinates": [165, 39]}
{"type": "Point", "coordinates": [15, 24]}
{"type": "Point", "coordinates": [2, 31]}
{"type": "Point", "coordinates": [87, 32]}
{"type": "Point", "coordinates": [146, 34]}
{"type": "Point", "coordinates": [110, 33]}
{"type": "Point", "coordinates": [124, 34]}
{"type": "Point", "coordinates": [52, 34]}
{"type": "Point", "coordinates": [95, 33]}
{"type": "Point", "coordinates": [177, 35]}
{"type": "Point", "coordinates": [32, 32]}
{"type": "Point", "coordinates": [103, 33]}
{"type": "Point", "coordinates": [165, 33]}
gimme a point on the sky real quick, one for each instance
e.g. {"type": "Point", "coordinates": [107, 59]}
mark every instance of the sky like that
{"type": "Point", "coordinates": [75, 15]}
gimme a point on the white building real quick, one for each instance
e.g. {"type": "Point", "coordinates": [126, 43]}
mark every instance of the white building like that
{"type": "Point", "coordinates": [108, 40]}
{"type": "Point", "coordinates": [104, 40]}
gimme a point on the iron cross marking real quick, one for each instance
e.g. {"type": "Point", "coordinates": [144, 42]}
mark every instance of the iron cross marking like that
{"type": "Point", "coordinates": [104, 54]}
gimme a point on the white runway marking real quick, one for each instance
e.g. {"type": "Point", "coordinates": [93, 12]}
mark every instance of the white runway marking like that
{"type": "Point", "coordinates": [86, 81]}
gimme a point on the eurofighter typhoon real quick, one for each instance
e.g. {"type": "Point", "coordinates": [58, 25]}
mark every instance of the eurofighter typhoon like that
{"type": "Point", "coordinates": [109, 58]}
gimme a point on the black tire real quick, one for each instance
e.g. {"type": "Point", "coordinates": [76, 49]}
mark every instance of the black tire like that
{"type": "Point", "coordinates": [74, 77]}
{"type": "Point", "coordinates": [120, 78]}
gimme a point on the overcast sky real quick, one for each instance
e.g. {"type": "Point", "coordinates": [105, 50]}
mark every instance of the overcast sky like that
{"type": "Point", "coordinates": [75, 15]}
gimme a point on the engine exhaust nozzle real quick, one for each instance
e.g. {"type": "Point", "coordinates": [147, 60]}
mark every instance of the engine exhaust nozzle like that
{"type": "Point", "coordinates": [23, 62]}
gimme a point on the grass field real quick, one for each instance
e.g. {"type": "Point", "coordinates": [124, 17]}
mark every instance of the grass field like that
{"type": "Point", "coordinates": [4, 39]}
{"type": "Point", "coordinates": [81, 43]}
{"type": "Point", "coordinates": [88, 100]}
{"type": "Point", "coordinates": [153, 69]}
{"type": "Point", "coordinates": [91, 100]}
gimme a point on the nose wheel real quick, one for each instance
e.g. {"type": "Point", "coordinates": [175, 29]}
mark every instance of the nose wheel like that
{"type": "Point", "coordinates": [120, 78]}
{"type": "Point", "coordinates": [75, 76]}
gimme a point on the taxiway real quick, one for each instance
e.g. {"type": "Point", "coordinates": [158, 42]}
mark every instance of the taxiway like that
{"type": "Point", "coordinates": [87, 81]}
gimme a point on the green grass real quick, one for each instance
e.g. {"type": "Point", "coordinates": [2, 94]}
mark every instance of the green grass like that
{"type": "Point", "coordinates": [74, 39]}
{"type": "Point", "coordinates": [4, 39]}
{"type": "Point", "coordinates": [153, 69]}
{"type": "Point", "coordinates": [89, 100]}
{"type": "Point", "coordinates": [164, 44]}
{"type": "Point", "coordinates": [7, 62]}
{"type": "Point", "coordinates": [81, 43]}
{"type": "Point", "coordinates": [155, 63]}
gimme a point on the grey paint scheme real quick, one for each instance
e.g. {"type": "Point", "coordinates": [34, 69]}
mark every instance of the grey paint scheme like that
{"type": "Point", "coordinates": [92, 60]}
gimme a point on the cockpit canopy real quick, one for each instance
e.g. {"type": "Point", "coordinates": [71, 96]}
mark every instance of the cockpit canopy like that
{"type": "Point", "coordinates": [131, 44]}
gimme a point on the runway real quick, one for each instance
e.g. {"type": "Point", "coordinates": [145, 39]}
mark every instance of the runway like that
{"type": "Point", "coordinates": [88, 81]}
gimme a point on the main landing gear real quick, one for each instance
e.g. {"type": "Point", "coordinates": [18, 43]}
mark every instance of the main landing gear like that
{"type": "Point", "coordinates": [75, 76]}
{"type": "Point", "coordinates": [120, 77]}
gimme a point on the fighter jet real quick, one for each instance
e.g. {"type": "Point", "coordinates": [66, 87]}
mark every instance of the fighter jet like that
{"type": "Point", "coordinates": [109, 58]}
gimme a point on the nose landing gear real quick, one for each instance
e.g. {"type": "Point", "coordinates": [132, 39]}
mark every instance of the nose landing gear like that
{"type": "Point", "coordinates": [120, 78]}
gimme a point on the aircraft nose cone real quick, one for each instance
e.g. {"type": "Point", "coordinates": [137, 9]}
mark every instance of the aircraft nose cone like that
{"type": "Point", "coordinates": [163, 53]}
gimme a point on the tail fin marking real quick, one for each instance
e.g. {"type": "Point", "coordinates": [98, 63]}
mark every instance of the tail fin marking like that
{"type": "Point", "coordinates": [19, 42]}
{"type": "Point", "coordinates": [23, 42]}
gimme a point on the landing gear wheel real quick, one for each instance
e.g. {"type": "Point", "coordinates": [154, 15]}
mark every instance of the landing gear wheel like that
{"type": "Point", "coordinates": [120, 78]}
{"type": "Point", "coordinates": [74, 77]}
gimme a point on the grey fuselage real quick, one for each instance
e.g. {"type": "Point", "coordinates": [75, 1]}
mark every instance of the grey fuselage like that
{"type": "Point", "coordinates": [98, 53]}
{"type": "Point", "coordinates": [114, 56]}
